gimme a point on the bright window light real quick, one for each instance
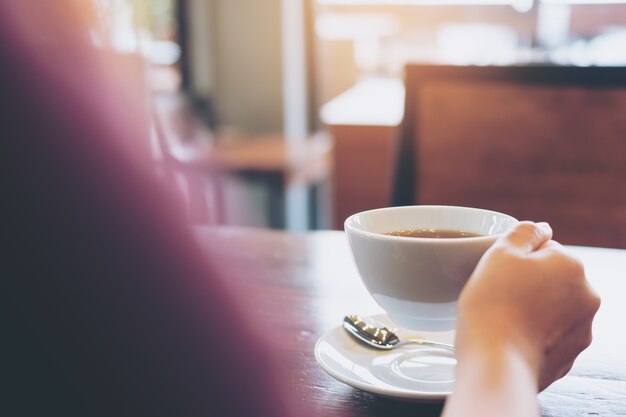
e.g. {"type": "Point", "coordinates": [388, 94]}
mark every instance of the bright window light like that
{"type": "Point", "coordinates": [425, 2]}
{"type": "Point", "coordinates": [519, 5]}
{"type": "Point", "coordinates": [584, 1]}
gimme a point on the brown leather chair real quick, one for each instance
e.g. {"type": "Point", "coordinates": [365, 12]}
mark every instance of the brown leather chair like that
{"type": "Point", "coordinates": [543, 143]}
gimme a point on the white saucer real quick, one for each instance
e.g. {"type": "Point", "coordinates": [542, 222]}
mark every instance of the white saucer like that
{"type": "Point", "coordinates": [408, 372]}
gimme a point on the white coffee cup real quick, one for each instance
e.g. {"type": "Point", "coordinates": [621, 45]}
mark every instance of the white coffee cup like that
{"type": "Point", "coordinates": [417, 281]}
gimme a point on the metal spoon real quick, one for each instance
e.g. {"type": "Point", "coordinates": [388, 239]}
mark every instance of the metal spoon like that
{"type": "Point", "coordinates": [382, 337]}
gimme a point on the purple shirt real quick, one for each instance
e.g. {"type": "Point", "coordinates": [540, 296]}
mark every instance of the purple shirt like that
{"type": "Point", "coordinates": [108, 306]}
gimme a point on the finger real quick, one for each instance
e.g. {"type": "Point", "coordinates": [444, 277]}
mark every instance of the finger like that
{"type": "Point", "coordinates": [547, 247]}
{"type": "Point", "coordinates": [551, 244]}
{"type": "Point", "coordinates": [527, 236]}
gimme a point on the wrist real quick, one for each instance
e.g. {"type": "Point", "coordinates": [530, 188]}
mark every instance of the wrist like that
{"type": "Point", "coordinates": [496, 344]}
{"type": "Point", "coordinates": [494, 377]}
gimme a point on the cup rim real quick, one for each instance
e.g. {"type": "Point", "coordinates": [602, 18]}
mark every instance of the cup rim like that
{"type": "Point", "coordinates": [444, 240]}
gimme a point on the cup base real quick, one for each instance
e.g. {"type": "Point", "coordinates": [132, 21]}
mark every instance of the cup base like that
{"type": "Point", "coordinates": [420, 316]}
{"type": "Point", "coordinates": [425, 325]}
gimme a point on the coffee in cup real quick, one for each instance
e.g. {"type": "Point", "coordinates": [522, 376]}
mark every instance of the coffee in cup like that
{"type": "Point", "coordinates": [433, 233]}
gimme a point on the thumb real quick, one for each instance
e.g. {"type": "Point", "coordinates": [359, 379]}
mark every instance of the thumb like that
{"type": "Point", "coordinates": [527, 236]}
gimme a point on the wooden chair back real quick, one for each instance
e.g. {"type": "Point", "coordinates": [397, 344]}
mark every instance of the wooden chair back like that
{"type": "Point", "coordinates": [541, 143]}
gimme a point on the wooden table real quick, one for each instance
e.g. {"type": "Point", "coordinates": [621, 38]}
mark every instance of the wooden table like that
{"type": "Point", "coordinates": [308, 284]}
{"type": "Point", "coordinates": [279, 165]}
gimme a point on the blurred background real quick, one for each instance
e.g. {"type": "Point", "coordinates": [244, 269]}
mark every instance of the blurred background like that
{"type": "Point", "coordinates": [293, 113]}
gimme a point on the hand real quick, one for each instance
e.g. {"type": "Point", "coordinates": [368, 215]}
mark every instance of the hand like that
{"type": "Point", "coordinates": [529, 295]}
{"type": "Point", "coordinates": [523, 317]}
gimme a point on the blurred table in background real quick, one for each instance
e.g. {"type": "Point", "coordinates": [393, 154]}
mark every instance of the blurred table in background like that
{"type": "Point", "coordinates": [364, 123]}
{"type": "Point", "coordinates": [211, 168]}
{"type": "Point", "coordinates": [281, 166]}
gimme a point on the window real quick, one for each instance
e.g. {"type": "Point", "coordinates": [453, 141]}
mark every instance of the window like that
{"type": "Point", "coordinates": [356, 39]}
